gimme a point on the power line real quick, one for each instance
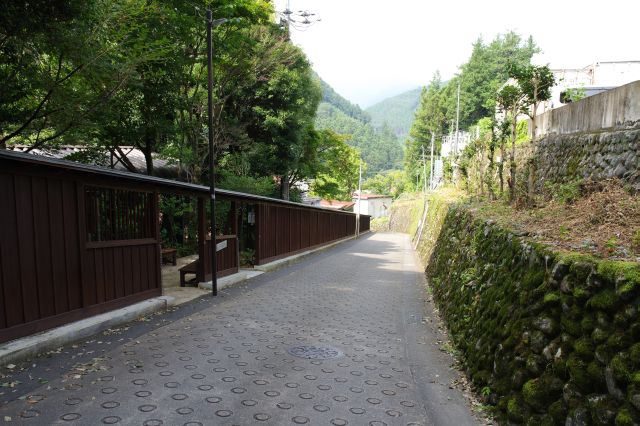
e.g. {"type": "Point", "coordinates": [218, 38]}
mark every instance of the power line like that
{"type": "Point", "coordinates": [300, 20]}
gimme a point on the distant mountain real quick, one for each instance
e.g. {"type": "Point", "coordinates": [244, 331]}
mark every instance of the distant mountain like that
{"type": "Point", "coordinates": [397, 111]}
{"type": "Point", "coordinates": [380, 148]}
{"type": "Point", "coordinates": [332, 97]}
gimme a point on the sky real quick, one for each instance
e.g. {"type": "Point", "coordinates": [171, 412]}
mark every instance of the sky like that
{"type": "Point", "coordinates": [368, 50]}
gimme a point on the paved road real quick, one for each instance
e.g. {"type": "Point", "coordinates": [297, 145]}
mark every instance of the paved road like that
{"type": "Point", "coordinates": [344, 337]}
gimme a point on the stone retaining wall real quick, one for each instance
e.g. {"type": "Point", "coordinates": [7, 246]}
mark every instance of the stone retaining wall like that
{"type": "Point", "coordinates": [590, 156]}
{"type": "Point", "coordinates": [595, 138]}
{"type": "Point", "coordinates": [552, 339]}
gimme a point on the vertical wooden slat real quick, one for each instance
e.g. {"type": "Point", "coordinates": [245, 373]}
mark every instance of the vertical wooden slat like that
{"type": "Point", "coordinates": [27, 284]}
{"type": "Point", "coordinates": [118, 263]}
{"type": "Point", "coordinates": [156, 235]}
{"type": "Point", "coordinates": [3, 306]}
{"type": "Point", "coordinates": [126, 268]}
{"type": "Point", "coordinates": [89, 292]}
{"type": "Point", "coordinates": [151, 269]}
{"type": "Point", "coordinates": [127, 210]}
{"type": "Point", "coordinates": [144, 269]}
{"type": "Point", "coordinates": [56, 229]}
{"type": "Point", "coordinates": [109, 277]}
{"type": "Point", "coordinates": [10, 260]}
{"type": "Point", "coordinates": [135, 268]}
{"type": "Point", "coordinates": [43, 247]}
{"type": "Point", "coordinates": [73, 210]}
{"type": "Point", "coordinates": [100, 282]}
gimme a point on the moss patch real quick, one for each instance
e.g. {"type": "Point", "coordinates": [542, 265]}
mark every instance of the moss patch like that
{"type": "Point", "coordinates": [502, 300]}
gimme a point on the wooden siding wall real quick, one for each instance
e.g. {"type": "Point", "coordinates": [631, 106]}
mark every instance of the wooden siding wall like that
{"type": "Point", "coordinates": [365, 223]}
{"type": "Point", "coordinates": [226, 259]}
{"type": "Point", "coordinates": [48, 274]}
{"type": "Point", "coordinates": [284, 230]}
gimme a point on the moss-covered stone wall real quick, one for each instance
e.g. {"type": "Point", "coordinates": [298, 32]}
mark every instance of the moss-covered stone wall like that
{"type": "Point", "coordinates": [553, 338]}
{"type": "Point", "coordinates": [589, 156]}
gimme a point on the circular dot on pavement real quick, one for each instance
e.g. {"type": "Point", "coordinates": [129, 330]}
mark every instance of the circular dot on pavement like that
{"type": "Point", "coordinates": [69, 417]}
{"type": "Point", "coordinates": [261, 417]}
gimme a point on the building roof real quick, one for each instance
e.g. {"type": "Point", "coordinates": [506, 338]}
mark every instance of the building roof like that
{"type": "Point", "coordinates": [336, 205]}
{"type": "Point", "coordinates": [157, 183]}
{"type": "Point", "coordinates": [162, 167]}
{"type": "Point", "coordinates": [364, 196]}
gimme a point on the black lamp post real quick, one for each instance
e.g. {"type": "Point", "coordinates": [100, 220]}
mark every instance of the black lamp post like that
{"type": "Point", "coordinates": [212, 185]}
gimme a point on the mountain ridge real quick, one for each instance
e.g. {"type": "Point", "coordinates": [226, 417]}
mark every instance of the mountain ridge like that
{"type": "Point", "coordinates": [379, 147]}
{"type": "Point", "coordinates": [396, 111]}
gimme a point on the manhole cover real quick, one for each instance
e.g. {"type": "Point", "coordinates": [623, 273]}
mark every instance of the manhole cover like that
{"type": "Point", "coordinates": [314, 352]}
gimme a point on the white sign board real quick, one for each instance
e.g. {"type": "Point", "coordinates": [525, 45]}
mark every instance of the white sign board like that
{"type": "Point", "coordinates": [221, 246]}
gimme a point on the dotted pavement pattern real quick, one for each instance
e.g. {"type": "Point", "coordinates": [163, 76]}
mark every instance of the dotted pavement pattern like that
{"type": "Point", "coordinates": [342, 338]}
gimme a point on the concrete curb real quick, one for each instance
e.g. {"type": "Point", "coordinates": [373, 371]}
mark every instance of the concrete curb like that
{"type": "Point", "coordinates": [239, 277]}
{"type": "Point", "coordinates": [30, 346]}
{"type": "Point", "coordinates": [281, 263]}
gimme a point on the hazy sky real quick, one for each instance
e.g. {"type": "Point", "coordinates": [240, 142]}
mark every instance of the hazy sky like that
{"type": "Point", "coordinates": [368, 50]}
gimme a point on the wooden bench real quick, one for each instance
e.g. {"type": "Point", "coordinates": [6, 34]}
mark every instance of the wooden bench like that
{"type": "Point", "coordinates": [170, 254]}
{"type": "Point", "coordinates": [191, 268]}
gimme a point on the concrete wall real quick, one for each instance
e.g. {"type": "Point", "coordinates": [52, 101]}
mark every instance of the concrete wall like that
{"type": "Point", "coordinates": [374, 207]}
{"type": "Point", "coordinates": [615, 109]}
{"type": "Point", "coordinates": [595, 138]}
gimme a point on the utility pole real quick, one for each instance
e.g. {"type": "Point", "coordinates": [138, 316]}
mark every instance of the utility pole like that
{"type": "Point", "coordinates": [432, 167]}
{"type": "Point", "coordinates": [359, 194]}
{"type": "Point", "coordinates": [457, 118]}
{"type": "Point", "coordinates": [303, 19]}
{"type": "Point", "coordinates": [424, 173]}
{"type": "Point", "coordinates": [212, 151]}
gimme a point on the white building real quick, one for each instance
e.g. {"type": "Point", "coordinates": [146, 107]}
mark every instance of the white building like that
{"type": "Point", "coordinates": [449, 145]}
{"type": "Point", "coordinates": [593, 79]}
{"type": "Point", "coordinates": [374, 205]}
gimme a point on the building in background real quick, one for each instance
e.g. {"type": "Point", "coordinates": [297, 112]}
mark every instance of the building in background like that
{"type": "Point", "coordinates": [346, 206]}
{"type": "Point", "coordinates": [374, 205]}
{"type": "Point", "coordinates": [590, 80]}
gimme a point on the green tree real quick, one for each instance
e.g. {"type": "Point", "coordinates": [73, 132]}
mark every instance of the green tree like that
{"type": "Point", "coordinates": [336, 167]}
{"type": "Point", "coordinates": [283, 103]}
{"type": "Point", "coordinates": [62, 62]}
{"type": "Point", "coordinates": [390, 182]}
{"type": "Point", "coordinates": [430, 119]}
{"type": "Point", "coordinates": [535, 82]}
{"type": "Point", "coordinates": [511, 102]}
{"type": "Point", "coordinates": [486, 70]}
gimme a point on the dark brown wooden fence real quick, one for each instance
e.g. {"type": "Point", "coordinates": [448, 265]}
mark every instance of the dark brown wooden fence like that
{"type": "Point", "coordinates": [365, 223]}
{"type": "Point", "coordinates": [53, 269]}
{"type": "Point", "coordinates": [78, 240]}
{"type": "Point", "coordinates": [226, 259]}
{"type": "Point", "coordinates": [286, 230]}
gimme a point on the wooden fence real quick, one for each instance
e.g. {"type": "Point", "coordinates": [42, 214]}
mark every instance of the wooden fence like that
{"type": "Point", "coordinates": [284, 230]}
{"type": "Point", "coordinates": [78, 240]}
{"type": "Point", "coordinates": [53, 269]}
{"type": "Point", "coordinates": [226, 259]}
{"type": "Point", "coordinates": [365, 223]}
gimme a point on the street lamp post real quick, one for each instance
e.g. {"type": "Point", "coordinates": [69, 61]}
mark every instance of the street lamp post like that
{"type": "Point", "coordinates": [212, 185]}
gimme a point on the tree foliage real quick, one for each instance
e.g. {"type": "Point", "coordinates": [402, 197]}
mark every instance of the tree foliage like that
{"type": "Point", "coordinates": [529, 85]}
{"type": "Point", "coordinates": [487, 69]}
{"type": "Point", "coordinates": [337, 167]}
{"type": "Point", "coordinates": [133, 73]}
